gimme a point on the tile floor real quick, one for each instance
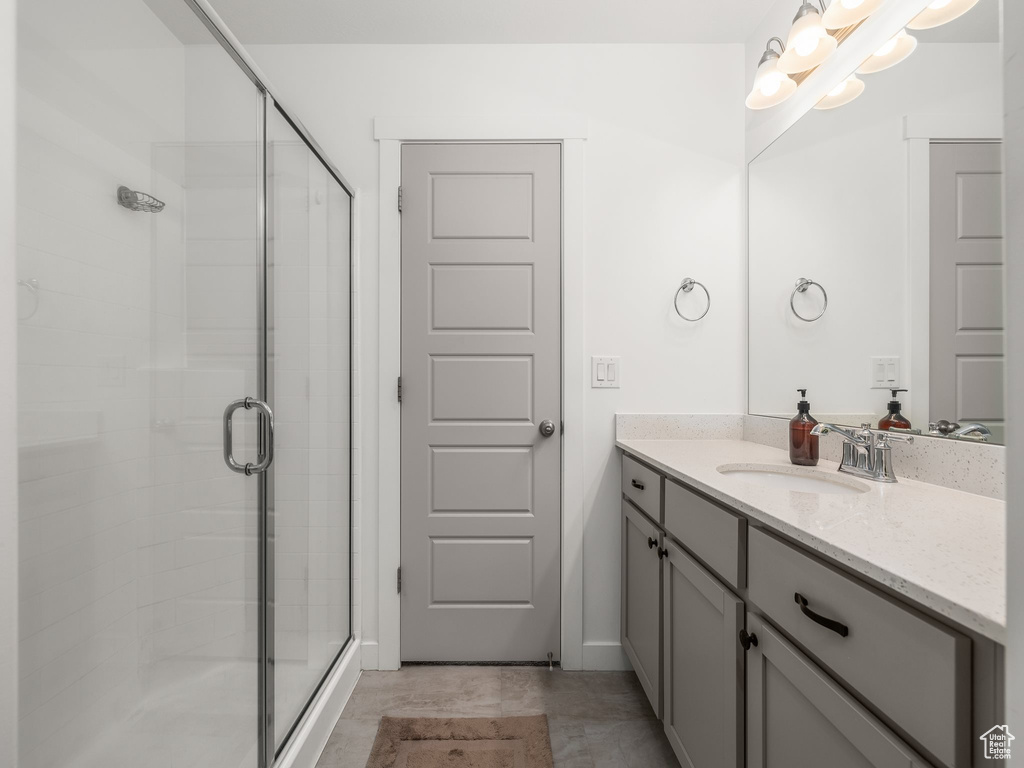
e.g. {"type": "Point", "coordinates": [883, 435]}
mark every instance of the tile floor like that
{"type": "Point", "coordinates": [597, 719]}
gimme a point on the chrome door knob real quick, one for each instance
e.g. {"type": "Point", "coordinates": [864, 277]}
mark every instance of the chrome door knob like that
{"type": "Point", "coordinates": [547, 428]}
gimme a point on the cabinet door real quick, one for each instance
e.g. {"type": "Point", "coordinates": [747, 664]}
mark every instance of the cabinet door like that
{"type": "Point", "coordinates": [703, 687]}
{"type": "Point", "coordinates": [641, 600]}
{"type": "Point", "coordinates": [797, 717]}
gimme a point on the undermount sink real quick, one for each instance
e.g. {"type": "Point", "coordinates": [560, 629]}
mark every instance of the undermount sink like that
{"type": "Point", "coordinates": [800, 479]}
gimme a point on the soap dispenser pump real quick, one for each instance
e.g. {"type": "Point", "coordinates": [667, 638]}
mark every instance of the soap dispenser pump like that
{"type": "Point", "coordinates": [803, 446]}
{"type": "Point", "coordinates": [894, 417]}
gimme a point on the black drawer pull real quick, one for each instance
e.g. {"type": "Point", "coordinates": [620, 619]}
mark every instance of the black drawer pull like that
{"type": "Point", "coordinates": [840, 629]}
{"type": "Point", "coordinates": [662, 553]}
{"type": "Point", "coordinates": [637, 484]}
{"type": "Point", "coordinates": [747, 640]}
{"type": "Point", "coordinates": [651, 542]}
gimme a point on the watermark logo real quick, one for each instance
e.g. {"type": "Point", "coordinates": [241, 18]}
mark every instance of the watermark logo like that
{"type": "Point", "coordinates": [997, 742]}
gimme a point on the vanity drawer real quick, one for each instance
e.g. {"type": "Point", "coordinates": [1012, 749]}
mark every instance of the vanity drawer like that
{"type": "Point", "coordinates": [642, 486]}
{"type": "Point", "coordinates": [914, 670]}
{"type": "Point", "coordinates": [715, 535]}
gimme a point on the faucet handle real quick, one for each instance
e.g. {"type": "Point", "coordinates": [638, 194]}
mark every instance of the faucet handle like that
{"type": "Point", "coordinates": [885, 437]}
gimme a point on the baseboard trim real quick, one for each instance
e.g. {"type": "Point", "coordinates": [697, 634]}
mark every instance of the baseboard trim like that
{"type": "Point", "coordinates": [371, 655]}
{"type": "Point", "coordinates": [311, 737]}
{"type": "Point", "coordinates": [605, 656]}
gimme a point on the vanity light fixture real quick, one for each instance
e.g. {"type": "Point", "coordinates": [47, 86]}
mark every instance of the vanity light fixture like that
{"type": "Point", "coordinates": [771, 86]}
{"type": "Point", "coordinates": [941, 12]}
{"type": "Point", "coordinates": [809, 42]}
{"type": "Point", "coordinates": [890, 54]}
{"type": "Point", "coordinates": [846, 13]}
{"type": "Point", "coordinates": [848, 90]}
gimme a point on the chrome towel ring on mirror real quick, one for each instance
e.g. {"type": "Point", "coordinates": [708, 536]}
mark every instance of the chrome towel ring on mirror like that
{"type": "Point", "coordinates": [802, 284]}
{"type": "Point", "coordinates": [686, 287]}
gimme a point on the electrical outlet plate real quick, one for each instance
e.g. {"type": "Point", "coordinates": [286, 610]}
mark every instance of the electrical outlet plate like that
{"type": "Point", "coordinates": [885, 373]}
{"type": "Point", "coordinates": [605, 372]}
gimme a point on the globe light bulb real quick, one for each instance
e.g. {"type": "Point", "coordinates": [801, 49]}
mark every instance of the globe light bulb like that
{"type": "Point", "coordinates": [886, 49]}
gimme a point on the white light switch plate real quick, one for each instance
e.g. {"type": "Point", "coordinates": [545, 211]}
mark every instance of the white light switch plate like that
{"type": "Point", "coordinates": [605, 372]}
{"type": "Point", "coordinates": [885, 373]}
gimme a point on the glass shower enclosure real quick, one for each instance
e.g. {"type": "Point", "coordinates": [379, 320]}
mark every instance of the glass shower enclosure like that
{"type": "Point", "coordinates": [184, 270]}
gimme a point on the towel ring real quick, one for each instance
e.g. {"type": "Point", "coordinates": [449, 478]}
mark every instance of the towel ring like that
{"type": "Point", "coordinates": [33, 287]}
{"type": "Point", "coordinates": [801, 287]}
{"type": "Point", "coordinates": [686, 287]}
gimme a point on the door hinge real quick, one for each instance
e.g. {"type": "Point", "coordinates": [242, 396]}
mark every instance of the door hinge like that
{"type": "Point", "coordinates": [399, 199]}
{"type": "Point", "coordinates": [399, 389]}
{"type": "Point", "coordinates": [399, 579]}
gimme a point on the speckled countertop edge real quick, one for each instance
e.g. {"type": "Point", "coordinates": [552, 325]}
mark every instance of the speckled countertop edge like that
{"type": "Point", "coordinates": [941, 548]}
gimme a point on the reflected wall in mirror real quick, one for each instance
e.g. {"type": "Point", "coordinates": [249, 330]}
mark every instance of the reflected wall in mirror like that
{"type": "Point", "coordinates": [891, 204]}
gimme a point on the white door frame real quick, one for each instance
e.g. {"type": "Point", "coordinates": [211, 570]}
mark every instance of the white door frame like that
{"type": "Point", "coordinates": [571, 132]}
{"type": "Point", "coordinates": [920, 131]}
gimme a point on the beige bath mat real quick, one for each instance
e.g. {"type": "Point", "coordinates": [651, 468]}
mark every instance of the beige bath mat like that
{"type": "Point", "coordinates": [462, 742]}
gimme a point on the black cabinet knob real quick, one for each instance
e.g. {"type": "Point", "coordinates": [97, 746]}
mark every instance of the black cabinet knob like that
{"type": "Point", "coordinates": [747, 640]}
{"type": "Point", "coordinates": [662, 553]}
{"type": "Point", "coordinates": [651, 543]}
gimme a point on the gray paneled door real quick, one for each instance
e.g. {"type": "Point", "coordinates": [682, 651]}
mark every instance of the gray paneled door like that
{"type": "Point", "coordinates": [966, 342]}
{"type": "Point", "coordinates": [481, 374]}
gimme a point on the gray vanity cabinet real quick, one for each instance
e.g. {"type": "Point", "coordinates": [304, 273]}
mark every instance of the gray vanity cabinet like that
{"type": "Point", "coordinates": [703, 660]}
{"type": "Point", "coordinates": [756, 653]}
{"type": "Point", "coordinates": [799, 718]}
{"type": "Point", "coordinates": [912, 669]}
{"type": "Point", "coordinates": [641, 599]}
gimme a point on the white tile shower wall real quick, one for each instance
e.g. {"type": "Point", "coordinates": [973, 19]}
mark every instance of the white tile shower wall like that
{"type": "Point", "coordinates": [82, 490]}
{"type": "Point", "coordinates": [197, 550]}
{"type": "Point", "coordinates": [664, 200]}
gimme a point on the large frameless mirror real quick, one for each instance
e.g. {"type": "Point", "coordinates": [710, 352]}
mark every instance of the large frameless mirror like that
{"type": "Point", "coordinates": [875, 252]}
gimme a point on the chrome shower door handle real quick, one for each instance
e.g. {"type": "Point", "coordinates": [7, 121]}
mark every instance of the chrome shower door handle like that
{"type": "Point", "coordinates": [265, 456]}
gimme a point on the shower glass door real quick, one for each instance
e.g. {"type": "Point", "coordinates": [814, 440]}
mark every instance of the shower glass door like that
{"type": "Point", "coordinates": [309, 264]}
{"type": "Point", "coordinates": [140, 318]}
{"type": "Point", "coordinates": [181, 246]}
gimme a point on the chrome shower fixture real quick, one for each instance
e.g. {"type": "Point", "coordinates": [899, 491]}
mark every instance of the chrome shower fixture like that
{"type": "Point", "coordinates": [138, 201]}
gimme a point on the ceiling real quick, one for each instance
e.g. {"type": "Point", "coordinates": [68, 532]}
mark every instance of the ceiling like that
{"type": "Point", "coordinates": [481, 21]}
{"type": "Point", "coordinates": [512, 21]}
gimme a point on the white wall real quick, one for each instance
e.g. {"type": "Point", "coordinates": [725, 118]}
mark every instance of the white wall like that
{"type": "Point", "coordinates": [1013, 55]}
{"type": "Point", "coordinates": [829, 201]}
{"type": "Point", "coordinates": [664, 201]}
{"type": "Point", "coordinates": [8, 400]}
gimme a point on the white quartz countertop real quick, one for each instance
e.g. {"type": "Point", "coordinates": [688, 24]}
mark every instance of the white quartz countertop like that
{"type": "Point", "coordinates": [941, 548]}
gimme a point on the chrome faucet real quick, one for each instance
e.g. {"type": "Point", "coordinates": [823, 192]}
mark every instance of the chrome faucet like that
{"type": "Point", "coordinates": [866, 453]}
{"type": "Point", "coordinates": [972, 429]}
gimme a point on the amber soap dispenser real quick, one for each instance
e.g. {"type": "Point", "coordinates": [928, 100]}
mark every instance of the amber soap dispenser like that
{"type": "Point", "coordinates": [894, 418]}
{"type": "Point", "coordinates": [803, 446]}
